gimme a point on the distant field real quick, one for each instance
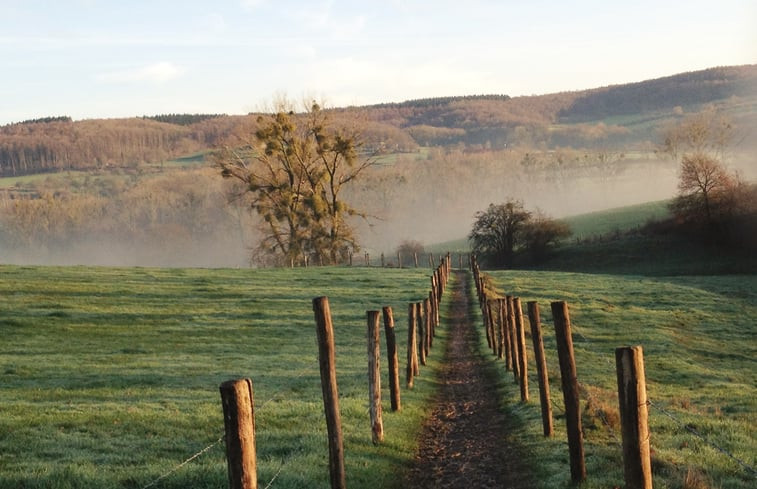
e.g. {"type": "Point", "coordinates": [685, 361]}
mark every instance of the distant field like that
{"type": "Point", "coordinates": [109, 377]}
{"type": "Point", "coordinates": [701, 366]}
{"type": "Point", "coordinates": [616, 220]}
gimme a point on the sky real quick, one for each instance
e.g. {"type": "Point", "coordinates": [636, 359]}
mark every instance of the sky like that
{"type": "Point", "coordinates": [107, 59]}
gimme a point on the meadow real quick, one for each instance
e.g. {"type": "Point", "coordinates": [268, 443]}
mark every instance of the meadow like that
{"type": "Point", "coordinates": [701, 367]}
{"type": "Point", "coordinates": [110, 376]}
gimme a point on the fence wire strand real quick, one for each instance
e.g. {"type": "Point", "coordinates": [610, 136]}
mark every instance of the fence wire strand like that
{"type": "Point", "coordinates": [712, 444]}
{"type": "Point", "coordinates": [589, 347]}
{"type": "Point", "coordinates": [185, 462]}
{"type": "Point", "coordinates": [170, 472]}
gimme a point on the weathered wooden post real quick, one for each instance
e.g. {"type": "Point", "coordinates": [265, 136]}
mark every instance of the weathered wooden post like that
{"type": "Point", "coordinates": [485, 315]}
{"type": "Point", "coordinates": [434, 307]}
{"type": "Point", "coordinates": [399, 259]}
{"type": "Point", "coordinates": [382, 260]}
{"type": "Point", "coordinates": [502, 338]}
{"type": "Point", "coordinates": [522, 353]}
{"type": "Point", "coordinates": [541, 368]}
{"type": "Point", "coordinates": [239, 423]}
{"type": "Point", "coordinates": [326, 360]}
{"type": "Point", "coordinates": [632, 396]}
{"type": "Point", "coordinates": [428, 325]}
{"type": "Point", "coordinates": [367, 259]}
{"type": "Point", "coordinates": [411, 346]}
{"type": "Point", "coordinates": [350, 258]}
{"type": "Point", "coordinates": [415, 258]}
{"type": "Point", "coordinates": [570, 392]}
{"type": "Point", "coordinates": [374, 377]}
{"type": "Point", "coordinates": [513, 336]}
{"type": "Point", "coordinates": [391, 353]}
{"type": "Point", "coordinates": [422, 322]}
{"type": "Point", "coordinates": [503, 311]}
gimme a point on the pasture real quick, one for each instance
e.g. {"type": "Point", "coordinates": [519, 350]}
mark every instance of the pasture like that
{"type": "Point", "coordinates": [698, 335]}
{"type": "Point", "coordinates": [110, 376]}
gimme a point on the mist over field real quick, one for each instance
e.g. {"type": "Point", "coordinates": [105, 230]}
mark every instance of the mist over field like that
{"type": "Point", "coordinates": [143, 191]}
{"type": "Point", "coordinates": [443, 209]}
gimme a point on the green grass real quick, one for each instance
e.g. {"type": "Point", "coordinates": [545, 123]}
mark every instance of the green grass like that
{"type": "Point", "coordinates": [701, 366]}
{"type": "Point", "coordinates": [616, 220]}
{"type": "Point", "coordinates": [109, 377]}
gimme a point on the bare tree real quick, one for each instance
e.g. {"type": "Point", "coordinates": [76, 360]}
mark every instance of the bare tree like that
{"type": "Point", "coordinates": [294, 168]}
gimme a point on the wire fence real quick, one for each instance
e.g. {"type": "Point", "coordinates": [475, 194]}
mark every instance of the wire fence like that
{"type": "Point", "coordinates": [590, 347]}
{"type": "Point", "coordinates": [222, 438]}
{"type": "Point", "coordinates": [670, 415]}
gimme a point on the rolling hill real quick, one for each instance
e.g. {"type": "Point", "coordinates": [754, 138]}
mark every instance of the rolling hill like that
{"type": "Point", "coordinates": [622, 115]}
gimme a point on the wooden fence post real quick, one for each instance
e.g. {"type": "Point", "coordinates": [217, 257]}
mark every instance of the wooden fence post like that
{"type": "Point", "coordinates": [391, 353]}
{"type": "Point", "coordinates": [570, 392]}
{"type": "Point", "coordinates": [522, 353]}
{"type": "Point", "coordinates": [374, 377]}
{"type": "Point", "coordinates": [422, 324]}
{"type": "Point", "coordinates": [485, 310]}
{"type": "Point", "coordinates": [325, 332]}
{"type": "Point", "coordinates": [506, 334]}
{"type": "Point", "coordinates": [399, 259]}
{"type": "Point", "coordinates": [632, 396]}
{"type": "Point", "coordinates": [513, 336]}
{"type": "Point", "coordinates": [415, 258]}
{"type": "Point", "coordinates": [541, 368]}
{"type": "Point", "coordinates": [432, 314]}
{"type": "Point", "coordinates": [427, 326]}
{"type": "Point", "coordinates": [239, 423]}
{"type": "Point", "coordinates": [499, 331]}
{"type": "Point", "coordinates": [382, 260]}
{"type": "Point", "coordinates": [411, 345]}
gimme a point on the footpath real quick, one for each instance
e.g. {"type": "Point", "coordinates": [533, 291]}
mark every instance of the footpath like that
{"type": "Point", "coordinates": [465, 441]}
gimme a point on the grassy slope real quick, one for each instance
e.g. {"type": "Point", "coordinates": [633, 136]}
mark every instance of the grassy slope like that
{"type": "Point", "coordinates": [701, 365]}
{"type": "Point", "coordinates": [110, 376]}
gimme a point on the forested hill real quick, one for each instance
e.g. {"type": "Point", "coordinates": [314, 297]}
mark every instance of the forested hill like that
{"type": "Point", "coordinates": [577, 119]}
{"type": "Point", "coordinates": [683, 90]}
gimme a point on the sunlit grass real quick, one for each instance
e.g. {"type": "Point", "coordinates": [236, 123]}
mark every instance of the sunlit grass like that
{"type": "Point", "coordinates": [110, 376]}
{"type": "Point", "coordinates": [701, 366]}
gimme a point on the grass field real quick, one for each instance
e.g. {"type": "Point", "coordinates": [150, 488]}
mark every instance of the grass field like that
{"type": "Point", "coordinates": [701, 364]}
{"type": "Point", "coordinates": [110, 376]}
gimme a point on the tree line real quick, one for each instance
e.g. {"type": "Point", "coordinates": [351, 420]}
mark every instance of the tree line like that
{"type": "Point", "coordinates": [477, 123]}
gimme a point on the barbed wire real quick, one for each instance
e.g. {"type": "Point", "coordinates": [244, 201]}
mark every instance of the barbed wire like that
{"type": "Point", "coordinates": [178, 467]}
{"type": "Point", "coordinates": [712, 444]}
{"type": "Point", "coordinates": [680, 423]}
{"type": "Point", "coordinates": [589, 346]}
{"type": "Point", "coordinates": [185, 462]}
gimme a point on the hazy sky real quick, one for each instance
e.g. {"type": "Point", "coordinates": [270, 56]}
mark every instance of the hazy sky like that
{"type": "Point", "coordinates": [95, 58]}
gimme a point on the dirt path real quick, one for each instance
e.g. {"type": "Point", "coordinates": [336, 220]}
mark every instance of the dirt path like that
{"type": "Point", "coordinates": [464, 443]}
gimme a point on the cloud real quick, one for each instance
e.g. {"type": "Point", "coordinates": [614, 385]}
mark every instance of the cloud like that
{"type": "Point", "coordinates": [154, 73]}
{"type": "Point", "coordinates": [251, 4]}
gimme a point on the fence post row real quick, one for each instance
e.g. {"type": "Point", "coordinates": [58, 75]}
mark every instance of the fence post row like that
{"type": "Point", "coordinates": [239, 424]}
{"type": "Point", "coordinates": [569, 380]}
{"type": "Point", "coordinates": [374, 377]}
{"type": "Point", "coordinates": [632, 397]}
{"type": "Point", "coordinates": [326, 361]}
